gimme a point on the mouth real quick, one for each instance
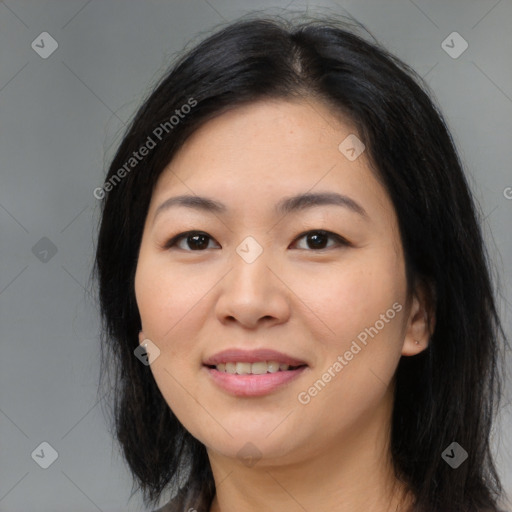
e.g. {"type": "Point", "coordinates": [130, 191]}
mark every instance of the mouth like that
{"type": "Point", "coordinates": [252, 373]}
{"type": "Point", "coordinates": [256, 368]}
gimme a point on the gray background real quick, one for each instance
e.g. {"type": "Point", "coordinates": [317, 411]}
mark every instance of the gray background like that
{"type": "Point", "coordinates": [60, 121]}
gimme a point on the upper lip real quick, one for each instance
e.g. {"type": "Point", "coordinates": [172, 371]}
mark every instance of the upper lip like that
{"type": "Point", "coordinates": [234, 355]}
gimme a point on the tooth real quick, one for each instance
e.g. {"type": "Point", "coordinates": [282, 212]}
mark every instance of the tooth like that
{"type": "Point", "coordinates": [259, 368]}
{"type": "Point", "coordinates": [243, 368]}
{"type": "Point", "coordinates": [231, 368]}
{"type": "Point", "coordinates": [273, 366]}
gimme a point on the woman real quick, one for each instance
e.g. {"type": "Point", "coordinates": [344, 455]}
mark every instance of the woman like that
{"type": "Point", "coordinates": [295, 291]}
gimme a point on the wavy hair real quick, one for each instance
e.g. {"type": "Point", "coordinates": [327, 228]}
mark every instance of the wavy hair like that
{"type": "Point", "coordinates": [447, 393]}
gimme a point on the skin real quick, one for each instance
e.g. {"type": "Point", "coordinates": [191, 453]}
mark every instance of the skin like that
{"type": "Point", "coordinates": [333, 452]}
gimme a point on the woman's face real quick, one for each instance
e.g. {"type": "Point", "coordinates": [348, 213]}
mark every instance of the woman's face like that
{"type": "Point", "coordinates": [260, 277]}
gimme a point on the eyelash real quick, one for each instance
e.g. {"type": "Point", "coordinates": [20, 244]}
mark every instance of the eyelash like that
{"type": "Point", "coordinates": [339, 239]}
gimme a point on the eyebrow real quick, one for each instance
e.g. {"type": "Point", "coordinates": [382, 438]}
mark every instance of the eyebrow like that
{"type": "Point", "coordinates": [284, 206]}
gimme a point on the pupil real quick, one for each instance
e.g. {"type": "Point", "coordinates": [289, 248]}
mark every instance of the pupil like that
{"type": "Point", "coordinates": [317, 240]}
{"type": "Point", "coordinates": [198, 245]}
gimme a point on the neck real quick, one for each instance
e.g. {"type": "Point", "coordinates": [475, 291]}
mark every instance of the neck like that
{"type": "Point", "coordinates": [354, 474]}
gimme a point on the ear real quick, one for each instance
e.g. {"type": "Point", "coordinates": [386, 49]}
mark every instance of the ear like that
{"type": "Point", "coordinates": [141, 337]}
{"type": "Point", "coordinates": [421, 321]}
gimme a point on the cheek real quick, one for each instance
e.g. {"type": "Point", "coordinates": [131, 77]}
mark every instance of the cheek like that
{"type": "Point", "coordinates": [358, 316]}
{"type": "Point", "coordinates": [350, 297]}
{"type": "Point", "coordinates": [173, 306]}
{"type": "Point", "coordinates": [169, 313]}
{"type": "Point", "coordinates": [165, 296]}
{"type": "Point", "coordinates": [359, 352]}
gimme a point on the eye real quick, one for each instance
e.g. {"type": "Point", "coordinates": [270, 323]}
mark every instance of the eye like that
{"type": "Point", "coordinates": [195, 240]}
{"type": "Point", "coordinates": [199, 241]}
{"type": "Point", "coordinates": [318, 239]}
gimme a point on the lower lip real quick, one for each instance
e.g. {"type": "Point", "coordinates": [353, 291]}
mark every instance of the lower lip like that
{"type": "Point", "coordinates": [253, 385]}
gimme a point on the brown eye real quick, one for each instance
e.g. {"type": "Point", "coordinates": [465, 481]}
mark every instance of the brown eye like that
{"type": "Point", "coordinates": [199, 241]}
{"type": "Point", "coordinates": [318, 239]}
{"type": "Point", "coordinates": [193, 241]}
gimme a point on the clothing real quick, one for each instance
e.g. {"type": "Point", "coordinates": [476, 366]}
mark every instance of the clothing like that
{"type": "Point", "coordinates": [192, 501]}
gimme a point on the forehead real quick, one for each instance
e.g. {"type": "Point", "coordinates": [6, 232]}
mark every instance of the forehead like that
{"type": "Point", "coordinates": [269, 149]}
{"type": "Point", "coordinates": [271, 128]}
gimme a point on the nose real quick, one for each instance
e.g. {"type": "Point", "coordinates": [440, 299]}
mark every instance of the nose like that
{"type": "Point", "coordinates": [252, 294]}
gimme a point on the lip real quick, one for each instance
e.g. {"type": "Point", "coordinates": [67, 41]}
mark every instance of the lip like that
{"type": "Point", "coordinates": [252, 385]}
{"type": "Point", "coordinates": [234, 355]}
